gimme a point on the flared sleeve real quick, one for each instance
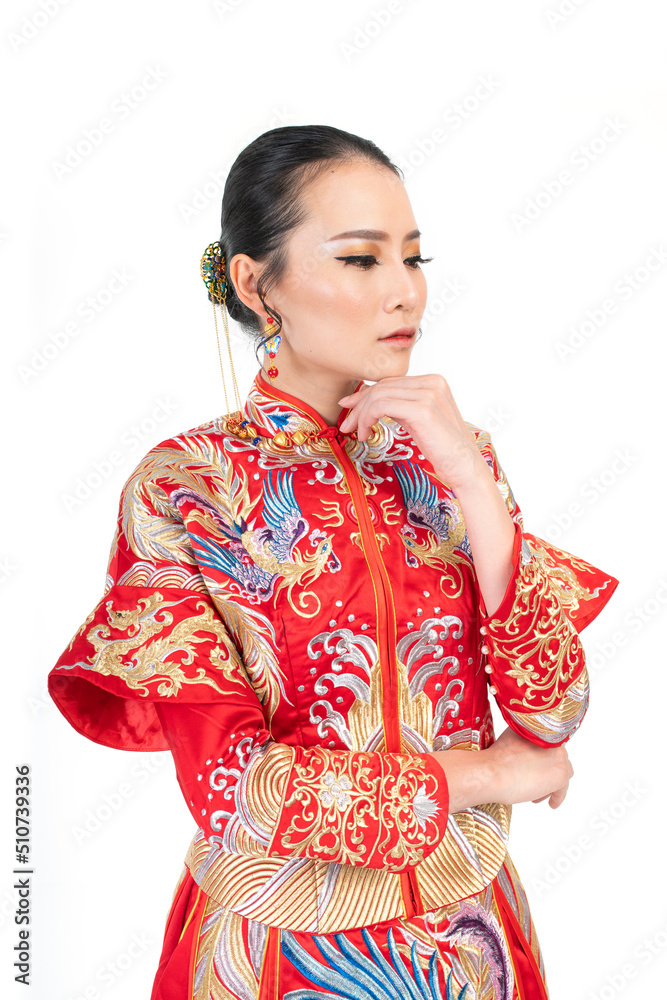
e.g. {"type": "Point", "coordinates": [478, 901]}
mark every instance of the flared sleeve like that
{"type": "Point", "coordinates": [534, 656]}
{"type": "Point", "coordinates": [154, 667]}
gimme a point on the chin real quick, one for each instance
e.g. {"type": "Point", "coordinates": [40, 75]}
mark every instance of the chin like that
{"type": "Point", "coordinates": [385, 367]}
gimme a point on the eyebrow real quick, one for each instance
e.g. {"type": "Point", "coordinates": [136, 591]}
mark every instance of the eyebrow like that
{"type": "Point", "coordinates": [371, 234]}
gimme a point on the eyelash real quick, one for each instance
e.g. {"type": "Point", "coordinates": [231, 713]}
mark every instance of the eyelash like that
{"type": "Point", "coordinates": [358, 259]}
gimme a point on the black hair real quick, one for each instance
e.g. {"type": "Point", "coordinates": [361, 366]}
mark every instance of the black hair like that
{"type": "Point", "coordinates": [262, 203]}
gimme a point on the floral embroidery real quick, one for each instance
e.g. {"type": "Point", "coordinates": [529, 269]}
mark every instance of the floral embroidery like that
{"type": "Point", "coordinates": [424, 806]}
{"type": "Point", "coordinates": [361, 808]}
{"type": "Point", "coordinates": [335, 791]}
{"type": "Point", "coordinates": [293, 610]}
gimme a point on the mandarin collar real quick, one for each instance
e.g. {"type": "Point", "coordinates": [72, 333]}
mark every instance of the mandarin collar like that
{"type": "Point", "coordinates": [263, 396]}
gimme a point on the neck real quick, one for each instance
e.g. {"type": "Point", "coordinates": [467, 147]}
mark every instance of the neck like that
{"type": "Point", "coordinates": [321, 390]}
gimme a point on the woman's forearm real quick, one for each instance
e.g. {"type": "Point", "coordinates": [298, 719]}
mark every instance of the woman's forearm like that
{"type": "Point", "coordinates": [471, 778]}
{"type": "Point", "coordinates": [490, 531]}
{"type": "Point", "coordinates": [511, 770]}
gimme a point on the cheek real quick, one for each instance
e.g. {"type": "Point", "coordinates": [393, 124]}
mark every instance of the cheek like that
{"type": "Point", "coordinates": [313, 299]}
{"type": "Point", "coordinates": [332, 303]}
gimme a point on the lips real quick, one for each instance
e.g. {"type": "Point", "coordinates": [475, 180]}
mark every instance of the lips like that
{"type": "Point", "coordinates": [403, 333]}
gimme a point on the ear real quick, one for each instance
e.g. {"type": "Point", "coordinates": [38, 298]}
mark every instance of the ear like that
{"type": "Point", "coordinates": [244, 272]}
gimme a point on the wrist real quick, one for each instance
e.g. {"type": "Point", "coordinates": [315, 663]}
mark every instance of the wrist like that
{"type": "Point", "coordinates": [472, 778]}
{"type": "Point", "coordinates": [471, 479]}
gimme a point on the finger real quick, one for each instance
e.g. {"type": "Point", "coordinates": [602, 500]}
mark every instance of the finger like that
{"type": "Point", "coordinates": [353, 397]}
{"type": "Point", "coordinates": [409, 387]}
{"type": "Point", "coordinates": [557, 797]}
{"type": "Point", "coordinates": [393, 381]}
{"type": "Point", "coordinates": [369, 411]}
{"type": "Point", "coordinates": [398, 406]}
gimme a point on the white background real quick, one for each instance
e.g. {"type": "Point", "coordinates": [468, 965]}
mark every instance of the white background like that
{"type": "Point", "coordinates": [585, 428]}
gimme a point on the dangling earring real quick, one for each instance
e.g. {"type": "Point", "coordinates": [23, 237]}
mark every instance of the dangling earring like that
{"type": "Point", "coordinates": [271, 347]}
{"type": "Point", "coordinates": [213, 271]}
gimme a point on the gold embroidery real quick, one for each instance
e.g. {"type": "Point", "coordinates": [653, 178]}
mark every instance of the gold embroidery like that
{"type": "Point", "coordinates": [148, 663]}
{"type": "Point", "coordinates": [563, 719]}
{"type": "Point", "coordinates": [391, 511]}
{"type": "Point", "coordinates": [336, 826]}
{"type": "Point", "coordinates": [536, 645]}
{"type": "Point", "coordinates": [261, 794]}
{"type": "Point", "coordinates": [334, 513]}
{"type": "Point", "coordinates": [256, 639]}
{"type": "Point", "coordinates": [82, 628]}
{"type": "Point", "coordinates": [564, 580]}
{"type": "Point", "coordinates": [365, 717]}
{"type": "Point", "coordinates": [221, 960]}
{"type": "Point", "coordinates": [299, 570]}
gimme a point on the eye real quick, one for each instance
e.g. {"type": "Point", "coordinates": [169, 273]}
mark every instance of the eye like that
{"type": "Point", "coordinates": [417, 260]}
{"type": "Point", "coordinates": [364, 261]}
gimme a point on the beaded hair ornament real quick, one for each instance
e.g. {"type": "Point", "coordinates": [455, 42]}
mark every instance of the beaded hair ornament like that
{"type": "Point", "coordinates": [214, 273]}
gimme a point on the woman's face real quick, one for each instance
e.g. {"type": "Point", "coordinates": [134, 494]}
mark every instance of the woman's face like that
{"type": "Point", "coordinates": [338, 315]}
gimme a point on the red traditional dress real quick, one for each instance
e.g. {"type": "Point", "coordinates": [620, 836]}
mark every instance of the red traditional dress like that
{"type": "Point", "coordinates": [295, 614]}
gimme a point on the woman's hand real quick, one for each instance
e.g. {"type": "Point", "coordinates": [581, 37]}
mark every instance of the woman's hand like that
{"type": "Point", "coordinates": [511, 770]}
{"type": "Point", "coordinates": [528, 772]}
{"type": "Point", "coordinates": [424, 405]}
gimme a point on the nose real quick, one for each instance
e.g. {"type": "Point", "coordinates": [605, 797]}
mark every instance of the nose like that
{"type": "Point", "coordinates": [402, 286]}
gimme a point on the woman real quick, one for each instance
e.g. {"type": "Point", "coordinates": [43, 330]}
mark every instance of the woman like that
{"type": "Point", "coordinates": [309, 603]}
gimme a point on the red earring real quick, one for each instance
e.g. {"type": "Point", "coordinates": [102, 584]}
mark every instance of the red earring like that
{"type": "Point", "coordinates": [271, 347]}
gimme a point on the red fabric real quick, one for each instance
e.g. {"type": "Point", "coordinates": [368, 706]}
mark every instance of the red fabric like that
{"type": "Point", "coordinates": [276, 974]}
{"type": "Point", "coordinates": [209, 739]}
{"type": "Point", "coordinates": [174, 976]}
{"type": "Point", "coordinates": [295, 614]}
{"type": "Point", "coordinates": [529, 983]}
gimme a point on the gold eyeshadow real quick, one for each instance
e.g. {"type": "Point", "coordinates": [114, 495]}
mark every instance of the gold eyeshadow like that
{"type": "Point", "coordinates": [373, 249]}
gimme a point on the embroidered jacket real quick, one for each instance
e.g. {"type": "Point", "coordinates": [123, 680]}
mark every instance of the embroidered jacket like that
{"type": "Point", "coordinates": [295, 615]}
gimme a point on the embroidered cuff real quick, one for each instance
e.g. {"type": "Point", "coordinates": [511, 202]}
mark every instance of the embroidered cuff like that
{"type": "Point", "coordinates": [532, 646]}
{"type": "Point", "coordinates": [379, 810]}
